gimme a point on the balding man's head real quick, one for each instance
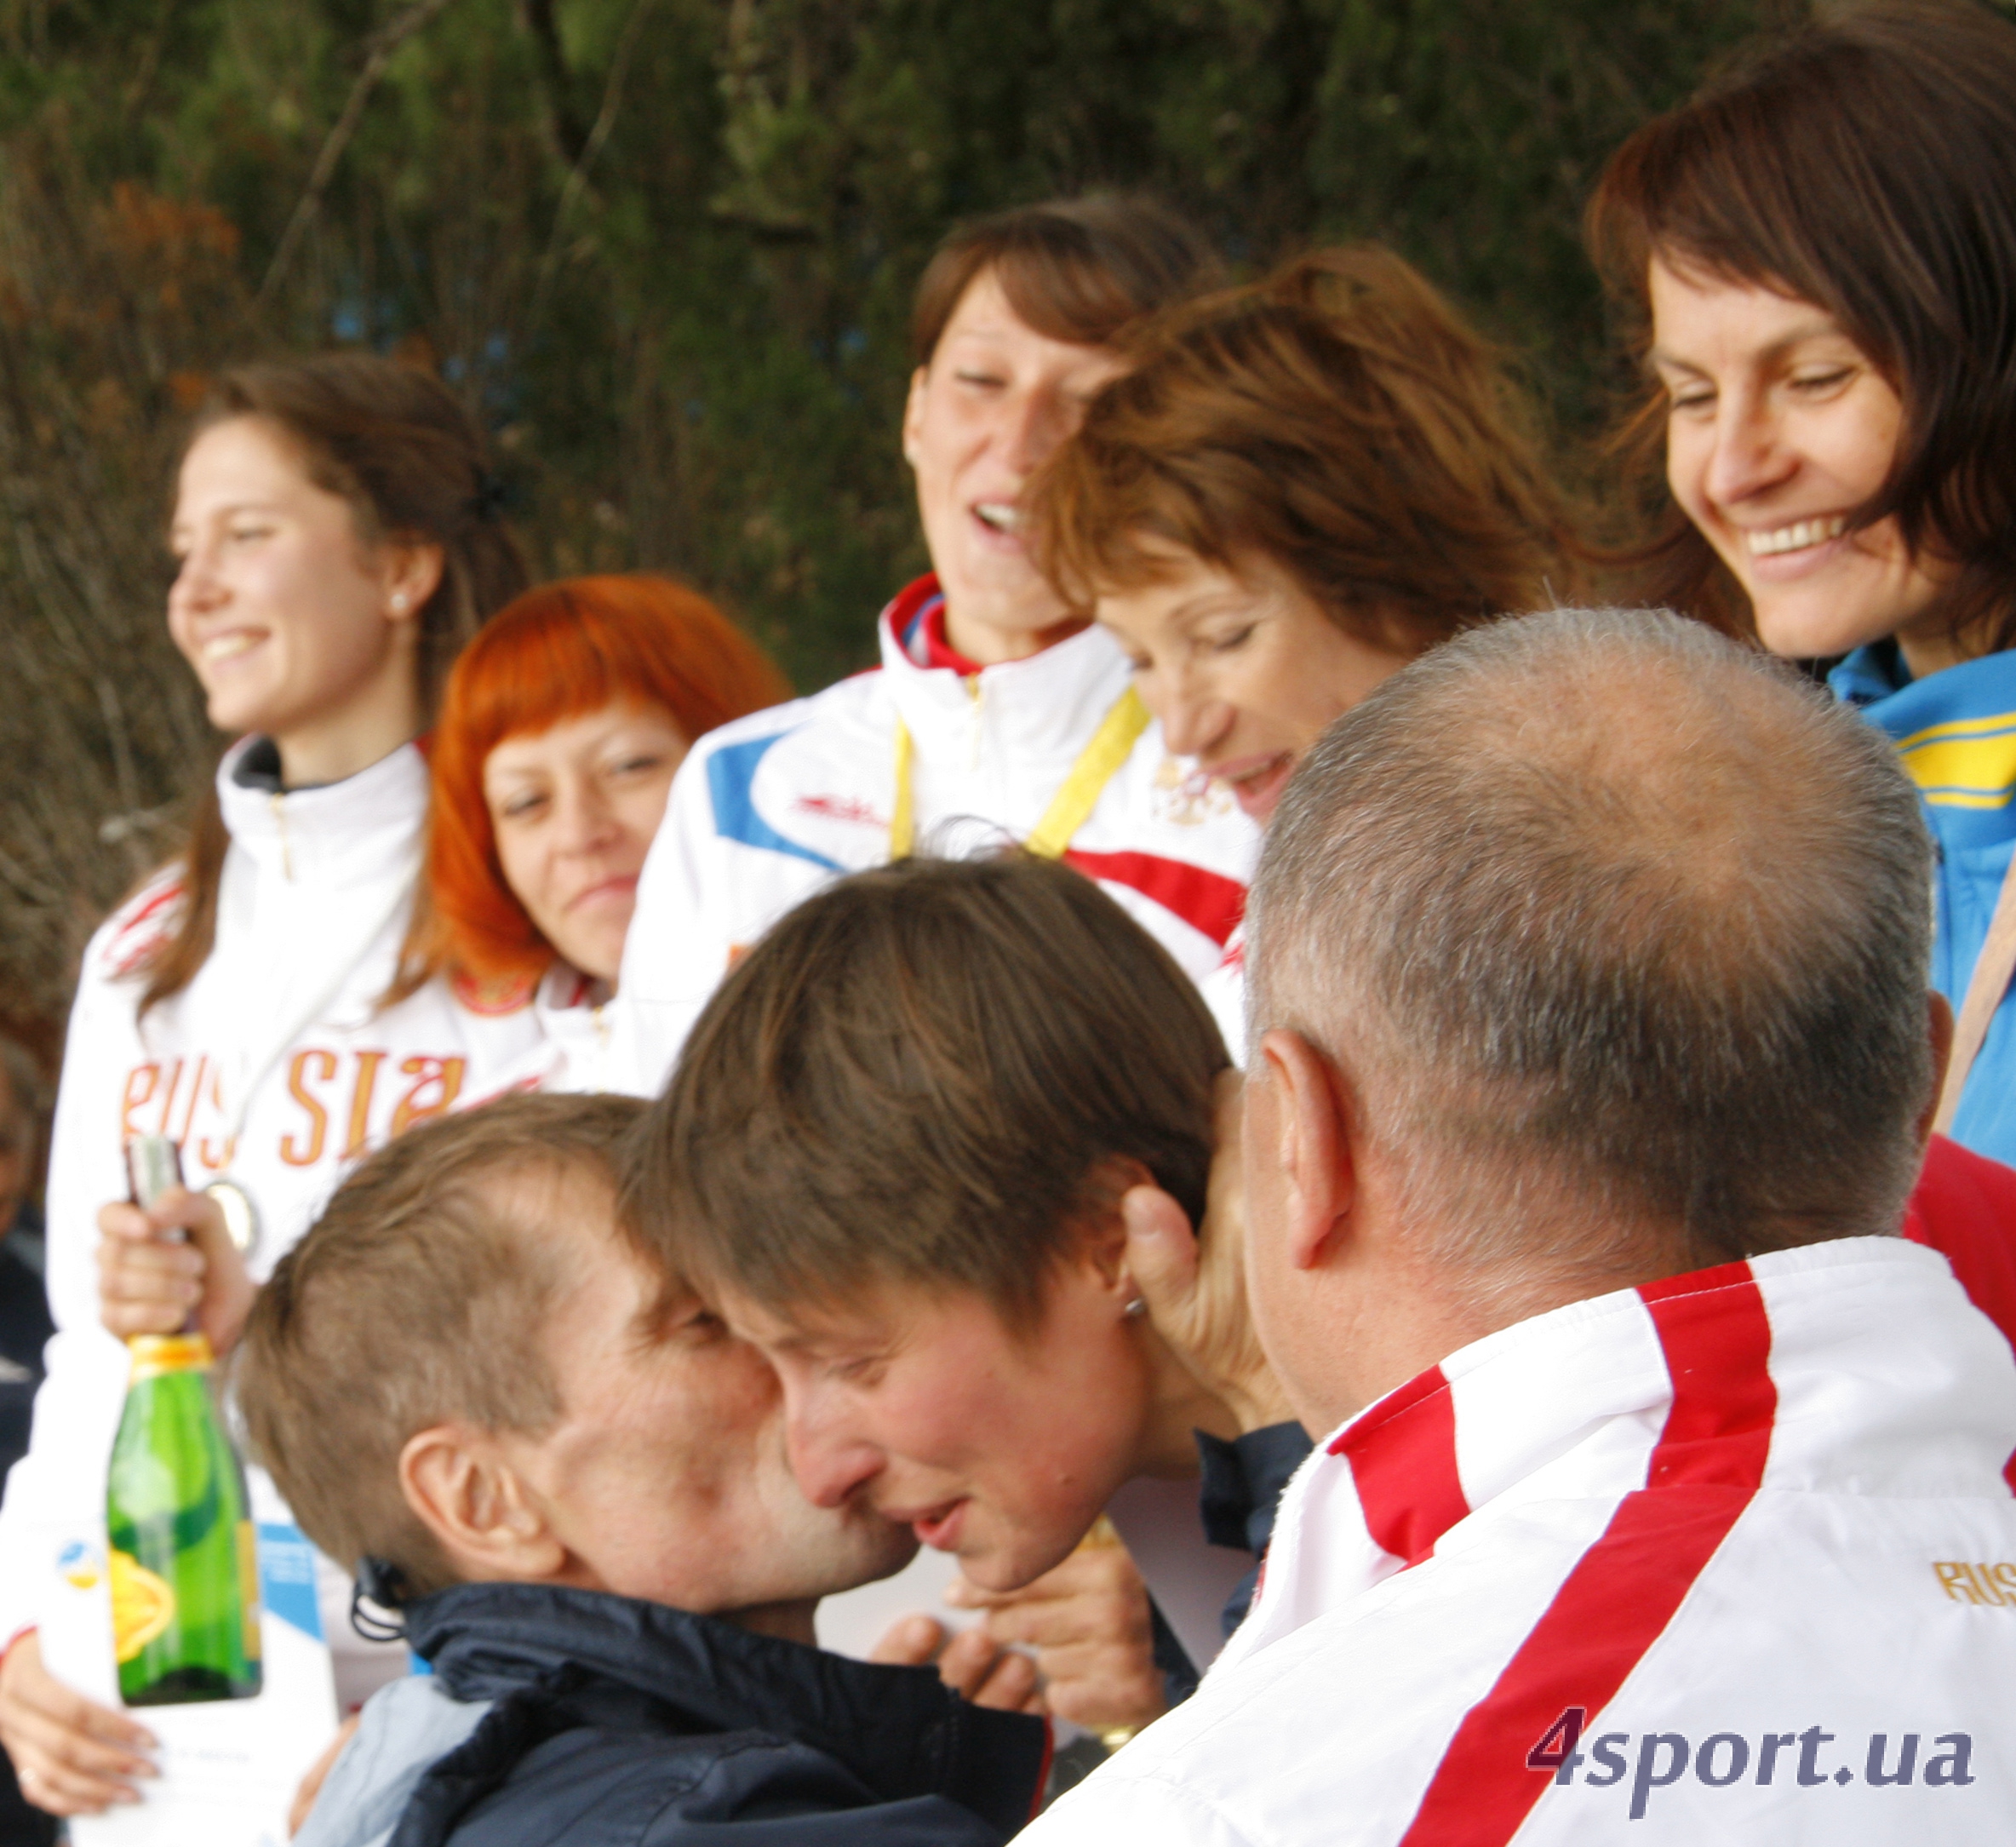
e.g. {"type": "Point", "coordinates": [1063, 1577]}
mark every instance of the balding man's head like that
{"type": "Point", "coordinates": [1615, 928]}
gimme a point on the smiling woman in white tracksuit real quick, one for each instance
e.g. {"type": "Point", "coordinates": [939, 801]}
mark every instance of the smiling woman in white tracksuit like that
{"type": "Point", "coordinates": [259, 1001]}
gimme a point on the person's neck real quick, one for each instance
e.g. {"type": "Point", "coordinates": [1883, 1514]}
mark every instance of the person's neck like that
{"type": "Point", "coordinates": [1177, 1407]}
{"type": "Point", "coordinates": [337, 745]}
{"type": "Point", "coordinates": [789, 1621]}
{"type": "Point", "coordinates": [1927, 655]}
{"type": "Point", "coordinates": [1929, 644]}
{"type": "Point", "coordinates": [990, 643]}
{"type": "Point", "coordinates": [1400, 1326]}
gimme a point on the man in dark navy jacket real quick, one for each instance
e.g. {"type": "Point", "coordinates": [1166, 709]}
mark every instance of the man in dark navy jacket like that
{"type": "Point", "coordinates": [557, 1471]}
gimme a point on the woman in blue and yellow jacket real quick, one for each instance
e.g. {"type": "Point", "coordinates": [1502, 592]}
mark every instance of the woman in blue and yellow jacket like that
{"type": "Point", "coordinates": [1829, 330]}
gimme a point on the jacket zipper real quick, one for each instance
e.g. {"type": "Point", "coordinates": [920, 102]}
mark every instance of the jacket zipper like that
{"type": "Point", "coordinates": [280, 807]}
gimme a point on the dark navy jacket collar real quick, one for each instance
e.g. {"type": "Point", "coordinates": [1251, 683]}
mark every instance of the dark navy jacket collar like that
{"type": "Point", "coordinates": [899, 1730]}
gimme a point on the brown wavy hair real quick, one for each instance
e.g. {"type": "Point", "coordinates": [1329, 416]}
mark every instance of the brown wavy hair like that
{"type": "Point", "coordinates": [1867, 165]}
{"type": "Point", "coordinates": [395, 443]}
{"type": "Point", "coordinates": [1338, 419]}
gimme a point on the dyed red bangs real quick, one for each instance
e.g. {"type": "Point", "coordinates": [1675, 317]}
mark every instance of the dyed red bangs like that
{"type": "Point", "coordinates": [558, 652]}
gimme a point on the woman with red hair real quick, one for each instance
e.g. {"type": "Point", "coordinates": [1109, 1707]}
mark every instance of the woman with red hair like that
{"type": "Point", "coordinates": [563, 723]}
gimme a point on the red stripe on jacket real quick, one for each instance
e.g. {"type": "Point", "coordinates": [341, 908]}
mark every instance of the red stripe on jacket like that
{"type": "Point", "coordinates": [1964, 1207]}
{"type": "Point", "coordinates": [121, 954]}
{"type": "Point", "coordinates": [1206, 901]}
{"type": "Point", "coordinates": [1403, 1465]}
{"type": "Point", "coordinates": [1625, 1589]}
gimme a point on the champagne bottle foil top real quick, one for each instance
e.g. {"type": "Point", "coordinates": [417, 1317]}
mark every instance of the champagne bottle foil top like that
{"type": "Point", "coordinates": [154, 1356]}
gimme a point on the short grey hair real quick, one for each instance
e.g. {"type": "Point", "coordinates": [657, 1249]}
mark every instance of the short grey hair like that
{"type": "Point", "coordinates": [1597, 907]}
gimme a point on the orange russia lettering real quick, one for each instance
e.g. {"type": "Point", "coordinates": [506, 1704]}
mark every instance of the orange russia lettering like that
{"type": "Point", "coordinates": [359, 1136]}
{"type": "Point", "coordinates": [1968, 1583]}
{"type": "Point", "coordinates": [294, 1152]}
{"type": "Point", "coordinates": [216, 1155]}
{"type": "Point", "coordinates": [141, 1083]}
{"type": "Point", "coordinates": [202, 1064]}
{"type": "Point", "coordinates": [168, 1103]}
{"type": "Point", "coordinates": [444, 1076]}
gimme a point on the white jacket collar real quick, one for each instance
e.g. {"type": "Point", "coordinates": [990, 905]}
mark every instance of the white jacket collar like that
{"type": "Point", "coordinates": [1763, 1366]}
{"type": "Point", "coordinates": [567, 1000]}
{"type": "Point", "coordinates": [362, 829]}
{"type": "Point", "coordinates": [1048, 704]}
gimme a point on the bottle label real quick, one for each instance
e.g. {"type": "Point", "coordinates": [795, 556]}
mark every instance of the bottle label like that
{"type": "Point", "coordinates": [143, 1605]}
{"type": "Point", "coordinates": [154, 1356]}
{"type": "Point", "coordinates": [249, 1587]}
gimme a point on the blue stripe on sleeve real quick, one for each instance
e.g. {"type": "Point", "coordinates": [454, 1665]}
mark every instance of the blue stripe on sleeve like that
{"type": "Point", "coordinates": [730, 777]}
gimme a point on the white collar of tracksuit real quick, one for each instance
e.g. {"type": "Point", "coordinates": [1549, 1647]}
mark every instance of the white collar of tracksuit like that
{"type": "Point", "coordinates": [329, 871]}
{"type": "Point", "coordinates": [329, 850]}
{"type": "Point", "coordinates": [576, 1023]}
{"type": "Point", "coordinates": [1046, 705]}
{"type": "Point", "coordinates": [334, 837]}
{"type": "Point", "coordinates": [1595, 1383]}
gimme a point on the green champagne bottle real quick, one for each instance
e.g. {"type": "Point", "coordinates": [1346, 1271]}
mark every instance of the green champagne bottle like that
{"type": "Point", "coordinates": [184, 1566]}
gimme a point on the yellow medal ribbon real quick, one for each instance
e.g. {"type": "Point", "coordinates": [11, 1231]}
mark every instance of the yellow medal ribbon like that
{"type": "Point", "coordinates": [1069, 808]}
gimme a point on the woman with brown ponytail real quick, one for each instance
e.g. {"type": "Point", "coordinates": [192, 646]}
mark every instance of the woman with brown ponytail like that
{"type": "Point", "coordinates": [263, 1001]}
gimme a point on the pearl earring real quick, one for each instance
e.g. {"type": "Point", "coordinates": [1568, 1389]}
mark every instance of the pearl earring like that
{"type": "Point", "coordinates": [398, 601]}
{"type": "Point", "coordinates": [1138, 1307]}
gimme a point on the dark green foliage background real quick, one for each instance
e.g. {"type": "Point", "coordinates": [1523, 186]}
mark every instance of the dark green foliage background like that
{"type": "Point", "coordinates": [665, 247]}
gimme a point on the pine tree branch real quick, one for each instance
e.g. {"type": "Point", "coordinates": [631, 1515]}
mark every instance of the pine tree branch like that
{"type": "Point", "coordinates": [577, 175]}
{"type": "Point", "coordinates": [378, 52]}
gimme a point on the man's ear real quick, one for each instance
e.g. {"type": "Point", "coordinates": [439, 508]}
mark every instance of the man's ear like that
{"type": "Point", "coordinates": [1305, 1136]}
{"type": "Point", "coordinates": [914, 413]}
{"type": "Point", "coordinates": [461, 1488]}
{"type": "Point", "coordinates": [1939, 1028]}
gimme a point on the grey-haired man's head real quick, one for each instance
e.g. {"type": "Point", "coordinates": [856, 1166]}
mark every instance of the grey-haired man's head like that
{"type": "Point", "coordinates": [1617, 934]}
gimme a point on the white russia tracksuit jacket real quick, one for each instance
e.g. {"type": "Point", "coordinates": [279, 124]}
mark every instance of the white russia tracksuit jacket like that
{"type": "Point", "coordinates": [768, 809]}
{"type": "Point", "coordinates": [1728, 1558]}
{"type": "Point", "coordinates": [273, 1068]}
{"type": "Point", "coordinates": [575, 1047]}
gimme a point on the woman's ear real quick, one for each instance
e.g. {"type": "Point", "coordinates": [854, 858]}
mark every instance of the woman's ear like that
{"type": "Point", "coordinates": [461, 1488]}
{"type": "Point", "coordinates": [1103, 1231]}
{"type": "Point", "coordinates": [913, 413]}
{"type": "Point", "coordinates": [411, 571]}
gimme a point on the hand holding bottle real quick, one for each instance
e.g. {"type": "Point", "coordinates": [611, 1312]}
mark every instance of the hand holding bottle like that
{"type": "Point", "coordinates": [149, 1280]}
{"type": "Point", "coordinates": [180, 1553]}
